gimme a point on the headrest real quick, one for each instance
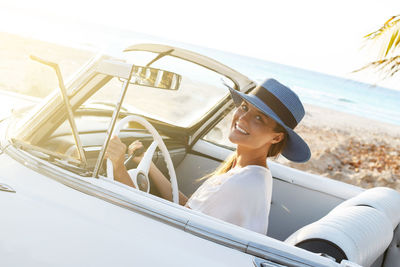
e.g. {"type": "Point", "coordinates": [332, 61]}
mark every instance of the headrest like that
{"type": "Point", "coordinates": [384, 199]}
{"type": "Point", "coordinates": [361, 233]}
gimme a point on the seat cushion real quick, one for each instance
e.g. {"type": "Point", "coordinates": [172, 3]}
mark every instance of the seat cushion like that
{"type": "Point", "coordinates": [361, 233]}
{"type": "Point", "coordinates": [384, 199]}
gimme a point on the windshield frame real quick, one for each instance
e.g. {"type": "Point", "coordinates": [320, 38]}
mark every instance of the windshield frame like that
{"type": "Point", "coordinates": [48, 115]}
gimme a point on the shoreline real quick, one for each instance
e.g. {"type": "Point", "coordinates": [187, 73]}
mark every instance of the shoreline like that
{"type": "Point", "coordinates": [345, 147]}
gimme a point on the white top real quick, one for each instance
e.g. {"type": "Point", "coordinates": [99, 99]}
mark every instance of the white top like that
{"type": "Point", "coordinates": [241, 196]}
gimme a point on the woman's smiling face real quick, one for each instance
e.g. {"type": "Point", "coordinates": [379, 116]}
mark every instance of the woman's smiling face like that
{"type": "Point", "coordinates": [251, 128]}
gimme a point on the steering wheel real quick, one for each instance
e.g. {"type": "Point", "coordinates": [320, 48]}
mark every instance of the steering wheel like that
{"type": "Point", "coordinates": [140, 175]}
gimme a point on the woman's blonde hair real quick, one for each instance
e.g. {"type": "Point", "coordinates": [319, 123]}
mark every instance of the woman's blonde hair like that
{"type": "Point", "coordinates": [274, 151]}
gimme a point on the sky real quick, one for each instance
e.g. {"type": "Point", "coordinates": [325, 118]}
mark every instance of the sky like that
{"type": "Point", "coordinates": [324, 36]}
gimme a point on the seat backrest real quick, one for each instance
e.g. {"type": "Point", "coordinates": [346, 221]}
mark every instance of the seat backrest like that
{"type": "Point", "coordinates": [360, 229]}
{"type": "Point", "coordinates": [384, 199]}
{"type": "Point", "coordinates": [359, 234]}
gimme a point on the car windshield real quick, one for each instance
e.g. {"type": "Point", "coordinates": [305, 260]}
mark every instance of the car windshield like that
{"type": "Point", "coordinates": [200, 90]}
{"type": "Point", "coordinates": [95, 96]}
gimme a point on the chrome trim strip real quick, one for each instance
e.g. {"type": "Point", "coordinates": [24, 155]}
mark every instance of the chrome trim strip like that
{"type": "Point", "coordinates": [6, 188]}
{"type": "Point", "coordinates": [263, 263]}
{"type": "Point", "coordinates": [67, 104]}
{"type": "Point", "coordinates": [70, 115]}
{"type": "Point", "coordinates": [200, 130]}
{"type": "Point", "coordinates": [112, 123]}
{"type": "Point", "coordinates": [272, 254]}
{"type": "Point", "coordinates": [219, 237]}
{"type": "Point", "coordinates": [23, 145]}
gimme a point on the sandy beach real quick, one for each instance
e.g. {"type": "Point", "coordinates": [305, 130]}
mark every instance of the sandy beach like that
{"type": "Point", "coordinates": [350, 148]}
{"type": "Point", "coordinates": [345, 147]}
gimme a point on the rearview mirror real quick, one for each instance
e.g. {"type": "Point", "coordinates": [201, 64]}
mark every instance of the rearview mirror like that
{"type": "Point", "coordinates": [152, 77]}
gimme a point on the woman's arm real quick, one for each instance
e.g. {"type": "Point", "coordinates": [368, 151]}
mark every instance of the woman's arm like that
{"type": "Point", "coordinates": [163, 185]}
{"type": "Point", "coordinates": [116, 153]}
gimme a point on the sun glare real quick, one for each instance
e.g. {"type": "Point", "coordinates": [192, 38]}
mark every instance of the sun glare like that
{"type": "Point", "coordinates": [305, 34]}
{"type": "Point", "coordinates": [20, 74]}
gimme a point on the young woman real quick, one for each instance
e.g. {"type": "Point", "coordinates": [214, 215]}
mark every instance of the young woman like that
{"type": "Point", "coordinates": [240, 191]}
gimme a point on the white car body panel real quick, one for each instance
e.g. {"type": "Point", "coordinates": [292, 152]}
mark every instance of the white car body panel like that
{"type": "Point", "coordinates": [83, 230]}
{"type": "Point", "coordinates": [63, 227]}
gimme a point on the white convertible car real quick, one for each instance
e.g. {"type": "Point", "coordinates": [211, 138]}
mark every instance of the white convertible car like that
{"type": "Point", "coordinates": [61, 207]}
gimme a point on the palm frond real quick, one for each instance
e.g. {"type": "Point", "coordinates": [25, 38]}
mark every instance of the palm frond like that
{"type": "Point", "coordinates": [393, 40]}
{"type": "Point", "coordinates": [389, 33]}
{"type": "Point", "coordinates": [392, 22]}
{"type": "Point", "coordinates": [389, 66]}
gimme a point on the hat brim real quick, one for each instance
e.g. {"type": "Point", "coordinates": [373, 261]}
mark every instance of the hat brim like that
{"type": "Point", "coordinates": [296, 148]}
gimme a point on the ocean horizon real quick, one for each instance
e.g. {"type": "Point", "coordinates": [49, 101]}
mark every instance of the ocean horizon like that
{"type": "Point", "coordinates": [319, 89]}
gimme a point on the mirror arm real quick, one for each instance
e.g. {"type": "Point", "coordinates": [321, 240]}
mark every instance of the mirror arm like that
{"type": "Point", "coordinates": [110, 129]}
{"type": "Point", "coordinates": [68, 106]}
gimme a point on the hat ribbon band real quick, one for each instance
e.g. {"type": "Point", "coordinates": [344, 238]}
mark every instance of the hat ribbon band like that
{"type": "Point", "coordinates": [276, 105]}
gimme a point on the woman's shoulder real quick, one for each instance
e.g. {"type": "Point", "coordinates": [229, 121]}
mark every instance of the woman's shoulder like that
{"type": "Point", "coordinates": [251, 175]}
{"type": "Point", "coordinates": [251, 170]}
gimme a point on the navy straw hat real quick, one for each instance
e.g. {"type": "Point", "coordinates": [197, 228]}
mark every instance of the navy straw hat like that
{"type": "Point", "coordinates": [281, 104]}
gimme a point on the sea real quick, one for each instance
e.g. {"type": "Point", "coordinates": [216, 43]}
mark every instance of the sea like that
{"type": "Point", "coordinates": [319, 89]}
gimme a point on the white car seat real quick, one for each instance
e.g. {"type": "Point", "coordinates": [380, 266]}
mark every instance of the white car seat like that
{"type": "Point", "coordinates": [384, 199]}
{"type": "Point", "coordinates": [360, 229]}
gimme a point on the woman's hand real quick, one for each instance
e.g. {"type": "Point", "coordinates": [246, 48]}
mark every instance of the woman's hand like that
{"type": "Point", "coordinates": [116, 153]}
{"type": "Point", "coordinates": [162, 183]}
{"type": "Point", "coordinates": [137, 148]}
